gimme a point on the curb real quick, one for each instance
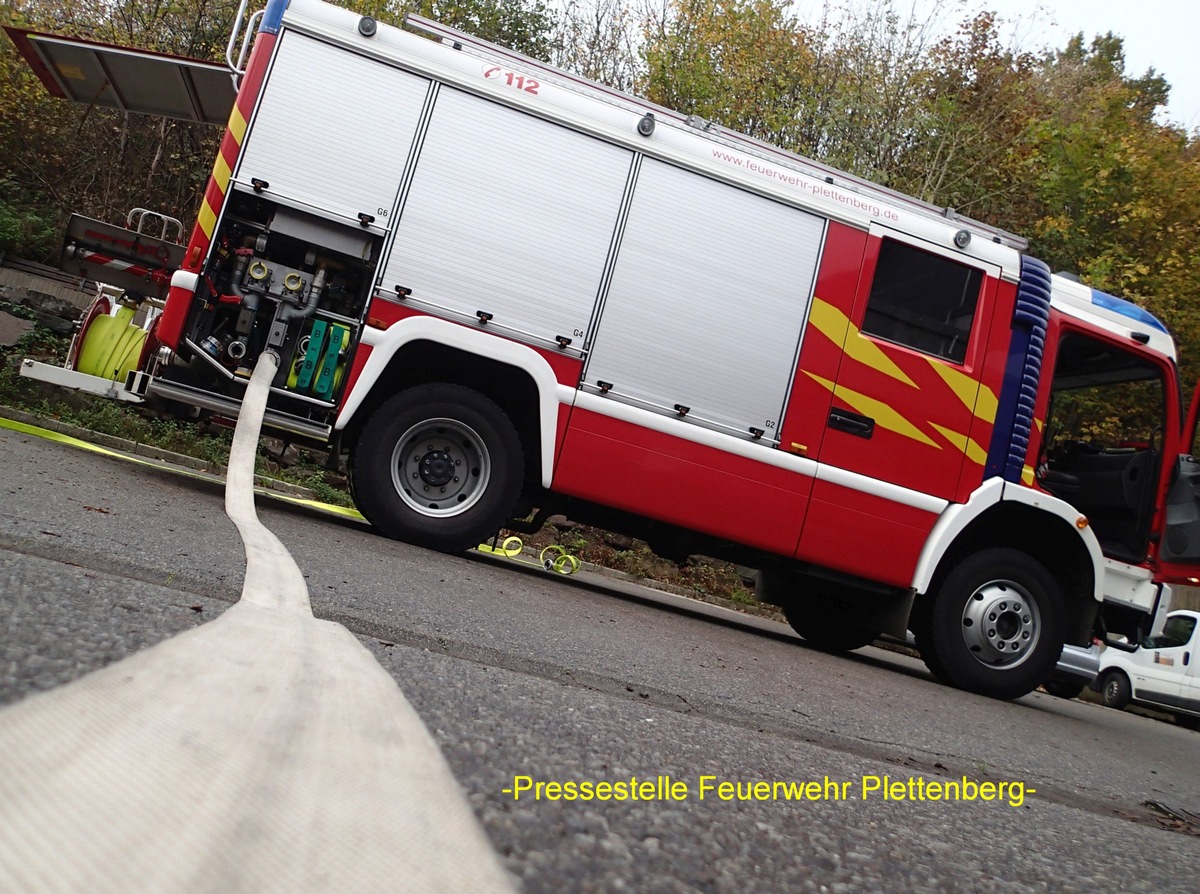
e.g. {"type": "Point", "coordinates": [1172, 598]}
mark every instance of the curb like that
{"type": "Point", "coordinates": [146, 450]}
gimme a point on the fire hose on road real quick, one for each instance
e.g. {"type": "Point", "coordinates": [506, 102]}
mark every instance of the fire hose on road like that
{"type": "Point", "coordinates": [263, 751]}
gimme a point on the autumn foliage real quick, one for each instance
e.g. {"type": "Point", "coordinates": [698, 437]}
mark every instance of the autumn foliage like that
{"type": "Point", "coordinates": [1059, 144]}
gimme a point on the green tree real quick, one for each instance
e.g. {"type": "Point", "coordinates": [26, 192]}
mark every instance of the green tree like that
{"type": "Point", "coordinates": [1119, 192]}
{"type": "Point", "coordinates": [850, 89]}
{"type": "Point", "coordinates": [739, 63]}
{"type": "Point", "coordinates": [526, 26]}
{"type": "Point", "coordinates": [976, 116]}
{"type": "Point", "coordinates": [25, 229]}
{"type": "Point", "coordinates": [96, 161]}
{"type": "Point", "coordinates": [599, 39]}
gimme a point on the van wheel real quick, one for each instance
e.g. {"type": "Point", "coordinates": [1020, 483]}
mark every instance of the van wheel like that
{"type": "Point", "coordinates": [995, 624]}
{"type": "Point", "coordinates": [1115, 690]}
{"type": "Point", "coordinates": [439, 466]}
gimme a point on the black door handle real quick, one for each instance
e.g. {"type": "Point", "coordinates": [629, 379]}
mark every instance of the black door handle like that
{"type": "Point", "coordinates": [852, 423]}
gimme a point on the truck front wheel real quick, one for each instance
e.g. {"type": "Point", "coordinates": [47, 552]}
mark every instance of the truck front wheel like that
{"type": "Point", "coordinates": [439, 466]}
{"type": "Point", "coordinates": [994, 624]}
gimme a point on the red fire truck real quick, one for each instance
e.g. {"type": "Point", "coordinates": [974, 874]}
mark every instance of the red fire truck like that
{"type": "Point", "coordinates": [503, 292]}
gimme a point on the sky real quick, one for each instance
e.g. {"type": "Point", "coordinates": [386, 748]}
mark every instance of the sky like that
{"type": "Point", "coordinates": [1162, 34]}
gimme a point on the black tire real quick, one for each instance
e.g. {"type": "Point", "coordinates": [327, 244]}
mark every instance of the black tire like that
{"type": "Point", "coordinates": [439, 466]}
{"type": "Point", "coordinates": [827, 626]}
{"type": "Point", "coordinates": [815, 611]}
{"type": "Point", "coordinates": [995, 623]}
{"type": "Point", "coordinates": [1060, 689]}
{"type": "Point", "coordinates": [920, 624]}
{"type": "Point", "coordinates": [1115, 690]}
{"type": "Point", "coordinates": [1188, 721]}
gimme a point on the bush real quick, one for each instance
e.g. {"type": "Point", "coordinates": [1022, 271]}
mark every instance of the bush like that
{"type": "Point", "coordinates": [24, 231]}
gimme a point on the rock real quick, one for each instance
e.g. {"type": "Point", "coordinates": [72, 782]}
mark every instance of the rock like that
{"type": "Point", "coordinates": [13, 329]}
{"type": "Point", "coordinates": [53, 313]}
{"type": "Point", "coordinates": [618, 541]}
{"type": "Point", "coordinates": [283, 452]}
{"type": "Point", "coordinates": [49, 305]}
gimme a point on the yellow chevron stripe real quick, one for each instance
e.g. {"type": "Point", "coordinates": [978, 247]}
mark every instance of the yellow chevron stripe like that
{"type": "Point", "coordinates": [975, 396]}
{"type": "Point", "coordinates": [221, 172]}
{"type": "Point", "coordinates": [1027, 476]}
{"type": "Point", "coordinates": [974, 452]}
{"type": "Point", "coordinates": [884, 416]}
{"type": "Point", "coordinates": [830, 321]}
{"type": "Point", "coordinates": [207, 218]}
{"type": "Point", "coordinates": [237, 125]}
{"type": "Point", "coordinates": [836, 326]}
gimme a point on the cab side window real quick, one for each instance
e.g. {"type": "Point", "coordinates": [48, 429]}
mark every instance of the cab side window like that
{"type": "Point", "coordinates": [923, 301]}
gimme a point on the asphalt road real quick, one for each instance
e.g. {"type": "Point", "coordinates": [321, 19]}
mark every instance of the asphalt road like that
{"type": "Point", "coordinates": [519, 673]}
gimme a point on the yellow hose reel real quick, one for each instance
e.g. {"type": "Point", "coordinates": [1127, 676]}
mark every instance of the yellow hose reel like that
{"type": "Point", "coordinates": [110, 345]}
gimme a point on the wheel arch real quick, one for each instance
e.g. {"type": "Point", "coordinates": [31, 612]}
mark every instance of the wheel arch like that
{"type": "Point", "coordinates": [1043, 527]}
{"type": "Point", "coordinates": [422, 350]}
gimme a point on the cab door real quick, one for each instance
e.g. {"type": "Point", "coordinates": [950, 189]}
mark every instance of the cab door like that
{"type": "Point", "coordinates": [1179, 554]}
{"type": "Point", "coordinates": [900, 425]}
{"type": "Point", "coordinates": [907, 387]}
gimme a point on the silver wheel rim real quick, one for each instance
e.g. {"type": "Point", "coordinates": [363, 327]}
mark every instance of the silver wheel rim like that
{"type": "Point", "coordinates": [441, 467]}
{"type": "Point", "coordinates": [1000, 624]}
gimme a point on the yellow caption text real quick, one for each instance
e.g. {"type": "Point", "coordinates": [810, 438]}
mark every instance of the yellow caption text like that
{"type": "Point", "coordinates": [716, 789]}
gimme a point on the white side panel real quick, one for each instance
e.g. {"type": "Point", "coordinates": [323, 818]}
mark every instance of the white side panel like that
{"type": "Point", "coordinates": [508, 214]}
{"type": "Point", "coordinates": [708, 299]}
{"type": "Point", "coordinates": [1129, 585]}
{"type": "Point", "coordinates": [338, 149]}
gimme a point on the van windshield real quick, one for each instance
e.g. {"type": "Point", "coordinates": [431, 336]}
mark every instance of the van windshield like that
{"type": "Point", "coordinates": [1176, 632]}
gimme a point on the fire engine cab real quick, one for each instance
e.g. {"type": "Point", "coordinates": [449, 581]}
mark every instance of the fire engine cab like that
{"type": "Point", "coordinates": [503, 292]}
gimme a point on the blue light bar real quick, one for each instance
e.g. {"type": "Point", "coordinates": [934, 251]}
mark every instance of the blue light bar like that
{"type": "Point", "coordinates": [1126, 309]}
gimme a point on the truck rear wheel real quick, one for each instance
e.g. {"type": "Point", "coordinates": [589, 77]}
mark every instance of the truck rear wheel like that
{"type": "Point", "coordinates": [994, 624]}
{"type": "Point", "coordinates": [825, 625]}
{"type": "Point", "coordinates": [438, 465]}
{"type": "Point", "coordinates": [815, 611]}
{"type": "Point", "coordinates": [1062, 689]}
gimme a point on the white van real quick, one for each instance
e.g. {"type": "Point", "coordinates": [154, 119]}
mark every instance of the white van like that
{"type": "Point", "coordinates": [1163, 672]}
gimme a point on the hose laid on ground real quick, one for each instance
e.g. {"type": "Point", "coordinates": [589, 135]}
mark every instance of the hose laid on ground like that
{"type": "Point", "coordinates": [263, 751]}
{"type": "Point", "coordinates": [273, 580]}
{"type": "Point", "coordinates": [552, 558]}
